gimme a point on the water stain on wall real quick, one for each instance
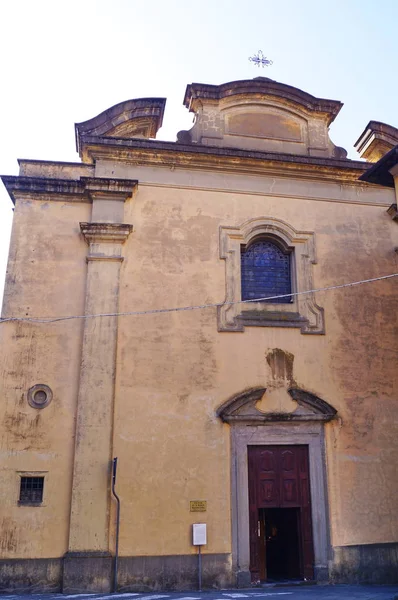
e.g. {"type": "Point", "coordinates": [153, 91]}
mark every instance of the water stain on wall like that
{"type": "Point", "coordinates": [8, 538]}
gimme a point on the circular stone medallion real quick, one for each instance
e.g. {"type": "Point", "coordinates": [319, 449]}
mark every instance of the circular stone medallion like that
{"type": "Point", "coordinates": [40, 396]}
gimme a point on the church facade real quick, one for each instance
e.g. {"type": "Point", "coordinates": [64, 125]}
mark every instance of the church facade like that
{"type": "Point", "coordinates": [184, 306]}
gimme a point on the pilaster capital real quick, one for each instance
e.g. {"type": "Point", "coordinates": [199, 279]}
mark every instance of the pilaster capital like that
{"type": "Point", "coordinates": [95, 233]}
{"type": "Point", "coordinates": [101, 188]}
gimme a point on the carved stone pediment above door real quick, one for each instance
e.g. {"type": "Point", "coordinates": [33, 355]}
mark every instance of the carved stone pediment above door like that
{"type": "Point", "coordinates": [280, 415]}
{"type": "Point", "coordinates": [243, 407]}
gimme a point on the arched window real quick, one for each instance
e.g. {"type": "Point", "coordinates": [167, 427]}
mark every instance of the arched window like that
{"type": "Point", "coordinates": [267, 257]}
{"type": "Point", "coordinates": [266, 271]}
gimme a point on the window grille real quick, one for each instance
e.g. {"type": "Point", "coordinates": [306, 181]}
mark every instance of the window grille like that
{"type": "Point", "coordinates": [265, 271]}
{"type": "Point", "coordinates": [31, 491]}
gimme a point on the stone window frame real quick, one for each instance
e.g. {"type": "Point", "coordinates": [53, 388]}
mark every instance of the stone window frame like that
{"type": "Point", "coordinates": [21, 474]}
{"type": "Point", "coordinates": [303, 312]}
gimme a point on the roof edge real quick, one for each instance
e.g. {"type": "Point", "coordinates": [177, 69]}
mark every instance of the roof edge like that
{"type": "Point", "coordinates": [379, 173]}
{"type": "Point", "coordinates": [376, 140]}
{"type": "Point", "coordinates": [147, 112]}
{"type": "Point", "coordinates": [168, 146]}
{"type": "Point", "coordinates": [261, 85]}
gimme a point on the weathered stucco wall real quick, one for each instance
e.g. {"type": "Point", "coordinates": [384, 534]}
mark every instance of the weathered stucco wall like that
{"type": "Point", "coordinates": [45, 277]}
{"type": "Point", "coordinates": [174, 370]}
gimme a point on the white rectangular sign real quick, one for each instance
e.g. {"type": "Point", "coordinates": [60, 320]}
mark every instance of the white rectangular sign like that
{"type": "Point", "coordinates": [199, 534]}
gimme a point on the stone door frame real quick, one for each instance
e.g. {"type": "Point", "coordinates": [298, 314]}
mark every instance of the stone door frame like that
{"type": "Point", "coordinates": [252, 427]}
{"type": "Point", "coordinates": [304, 433]}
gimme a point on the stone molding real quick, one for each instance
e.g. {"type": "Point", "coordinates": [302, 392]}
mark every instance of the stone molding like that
{"type": "Point", "coordinates": [95, 233]}
{"type": "Point", "coordinates": [140, 117]}
{"type": "Point", "coordinates": [196, 156]}
{"type": "Point", "coordinates": [85, 189]}
{"type": "Point", "coordinates": [310, 401]}
{"type": "Point", "coordinates": [250, 426]}
{"type": "Point", "coordinates": [105, 240]}
{"type": "Point", "coordinates": [197, 92]}
{"type": "Point", "coordinates": [108, 187]}
{"type": "Point", "coordinates": [310, 434]}
{"type": "Point", "coordinates": [303, 312]}
{"type": "Point", "coordinates": [237, 403]}
{"type": "Point", "coordinates": [241, 408]}
{"type": "Point", "coordinates": [261, 114]}
{"type": "Point", "coordinates": [382, 172]}
{"type": "Point", "coordinates": [376, 140]}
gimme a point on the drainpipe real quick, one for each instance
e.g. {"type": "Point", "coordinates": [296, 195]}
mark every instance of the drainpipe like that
{"type": "Point", "coordinates": [115, 568]}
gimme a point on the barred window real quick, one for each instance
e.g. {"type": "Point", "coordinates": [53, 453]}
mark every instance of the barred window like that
{"type": "Point", "coordinates": [31, 490]}
{"type": "Point", "coordinates": [266, 271]}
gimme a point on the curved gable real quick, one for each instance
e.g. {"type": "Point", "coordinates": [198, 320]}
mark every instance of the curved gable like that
{"type": "Point", "coordinates": [141, 117]}
{"type": "Point", "coordinates": [261, 114]}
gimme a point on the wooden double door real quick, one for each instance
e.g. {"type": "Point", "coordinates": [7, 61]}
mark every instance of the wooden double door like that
{"type": "Point", "coordinates": [281, 543]}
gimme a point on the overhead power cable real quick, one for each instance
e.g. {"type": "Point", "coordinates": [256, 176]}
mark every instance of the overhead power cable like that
{"type": "Point", "coordinates": [155, 311]}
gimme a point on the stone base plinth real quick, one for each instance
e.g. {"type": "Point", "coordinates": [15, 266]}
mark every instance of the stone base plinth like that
{"type": "Point", "coordinates": [87, 572]}
{"type": "Point", "coordinates": [365, 563]}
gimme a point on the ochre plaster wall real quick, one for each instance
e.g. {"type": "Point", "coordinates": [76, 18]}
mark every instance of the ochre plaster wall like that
{"type": "Point", "coordinates": [45, 277]}
{"type": "Point", "coordinates": [174, 370]}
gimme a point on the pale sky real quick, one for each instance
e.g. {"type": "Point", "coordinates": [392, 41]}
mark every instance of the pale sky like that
{"type": "Point", "coordinates": [64, 62]}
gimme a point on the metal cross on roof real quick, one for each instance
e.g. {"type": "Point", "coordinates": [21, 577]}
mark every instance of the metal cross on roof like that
{"type": "Point", "coordinates": [260, 59]}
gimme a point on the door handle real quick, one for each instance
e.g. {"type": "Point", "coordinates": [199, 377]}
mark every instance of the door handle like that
{"type": "Point", "coordinates": [258, 529]}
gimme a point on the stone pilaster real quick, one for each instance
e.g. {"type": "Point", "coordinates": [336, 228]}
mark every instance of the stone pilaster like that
{"type": "Point", "coordinates": [87, 565]}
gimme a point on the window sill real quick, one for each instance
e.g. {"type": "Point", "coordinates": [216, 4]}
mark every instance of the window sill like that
{"type": "Point", "coordinates": [303, 313]}
{"type": "Point", "coordinates": [270, 318]}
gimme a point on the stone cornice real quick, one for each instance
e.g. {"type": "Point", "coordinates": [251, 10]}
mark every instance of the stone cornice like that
{"type": "Point", "coordinates": [376, 140]}
{"type": "Point", "coordinates": [241, 408]}
{"type": "Point", "coordinates": [37, 186]}
{"type": "Point", "coordinates": [380, 172]}
{"type": "Point", "coordinates": [81, 190]}
{"type": "Point", "coordinates": [105, 232]}
{"type": "Point", "coordinates": [109, 188]}
{"type": "Point", "coordinates": [139, 117]}
{"type": "Point", "coordinates": [174, 154]}
{"type": "Point", "coordinates": [36, 161]}
{"type": "Point", "coordinates": [261, 86]}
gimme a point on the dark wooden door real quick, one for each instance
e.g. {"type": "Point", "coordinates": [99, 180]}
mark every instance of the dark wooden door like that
{"type": "Point", "coordinates": [279, 478]}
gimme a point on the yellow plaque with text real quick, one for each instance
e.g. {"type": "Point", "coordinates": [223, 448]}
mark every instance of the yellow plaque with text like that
{"type": "Point", "coordinates": [198, 505]}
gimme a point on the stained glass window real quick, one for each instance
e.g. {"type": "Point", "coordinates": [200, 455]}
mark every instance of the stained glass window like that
{"type": "Point", "coordinates": [265, 271]}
